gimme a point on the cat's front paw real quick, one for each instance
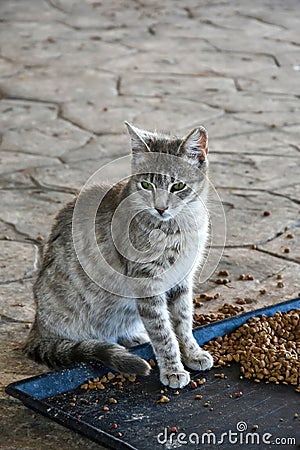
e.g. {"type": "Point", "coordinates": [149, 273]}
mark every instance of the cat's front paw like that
{"type": "Point", "coordinates": [175, 379]}
{"type": "Point", "coordinates": [199, 360]}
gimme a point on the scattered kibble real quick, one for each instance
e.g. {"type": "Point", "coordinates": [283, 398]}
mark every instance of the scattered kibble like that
{"type": "Point", "coordinates": [222, 281]}
{"type": "Point", "coordinates": [262, 291]}
{"type": "Point", "coordinates": [279, 276]}
{"type": "Point", "coordinates": [296, 415]}
{"type": "Point", "coordinates": [247, 277]}
{"type": "Point", "coordinates": [286, 250]}
{"type": "Point", "coordinates": [119, 434]}
{"type": "Point", "coordinates": [176, 393]}
{"type": "Point", "coordinates": [113, 400]}
{"type": "Point", "coordinates": [255, 427]}
{"type": "Point", "coordinates": [198, 397]}
{"type": "Point", "coordinates": [114, 426]}
{"type": "Point", "coordinates": [280, 284]}
{"type": "Point", "coordinates": [105, 408]}
{"type": "Point", "coordinates": [266, 213]}
{"type": "Point", "coordinates": [152, 363]}
{"type": "Point", "coordinates": [223, 312]}
{"type": "Point", "coordinates": [290, 236]}
{"type": "Point", "coordinates": [193, 385]}
{"type": "Point", "coordinates": [206, 404]}
{"type": "Point", "coordinates": [220, 375]}
{"type": "Point", "coordinates": [238, 394]}
{"type": "Point", "coordinates": [174, 429]}
{"type": "Point", "coordinates": [201, 380]}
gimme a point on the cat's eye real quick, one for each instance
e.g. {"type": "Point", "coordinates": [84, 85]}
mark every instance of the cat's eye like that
{"type": "Point", "coordinates": [146, 185]}
{"type": "Point", "coordinates": [178, 186]}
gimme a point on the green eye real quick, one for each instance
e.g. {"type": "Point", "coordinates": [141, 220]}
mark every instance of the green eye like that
{"type": "Point", "coordinates": [178, 186]}
{"type": "Point", "coordinates": [146, 185]}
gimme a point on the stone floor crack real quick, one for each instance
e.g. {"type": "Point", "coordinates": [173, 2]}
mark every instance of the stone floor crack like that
{"type": "Point", "coordinates": [55, 5]}
{"type": "Point", "coordinates": [53, 187]}
{"type": "Point", "coordinates": [261, 19]}
{"type": "Point", "coordinates": [276, 255]}
{"type": "Point", "coordinates": [22, 234]}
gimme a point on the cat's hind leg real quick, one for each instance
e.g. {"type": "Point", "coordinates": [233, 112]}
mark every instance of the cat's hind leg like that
{"type": "Point", "coordinates": [139, 339]}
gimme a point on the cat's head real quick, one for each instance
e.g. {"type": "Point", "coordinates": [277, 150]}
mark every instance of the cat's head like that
{"type": "Point", "coordinates": [167, 172]}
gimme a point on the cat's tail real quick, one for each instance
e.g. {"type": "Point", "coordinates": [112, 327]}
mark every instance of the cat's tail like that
{"type": "Point", "coordinates": [56, 353]}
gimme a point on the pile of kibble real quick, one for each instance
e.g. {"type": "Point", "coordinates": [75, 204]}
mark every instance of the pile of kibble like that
{"type": "Point", "coordinates": [267, 348]}
{"type": "Point", "coordinates": [224, 312]}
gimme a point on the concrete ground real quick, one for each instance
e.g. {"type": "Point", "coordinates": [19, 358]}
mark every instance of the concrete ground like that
{"type": "Point", "coordinates": [72, 71]}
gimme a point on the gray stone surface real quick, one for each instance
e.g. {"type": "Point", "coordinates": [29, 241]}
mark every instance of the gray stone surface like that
{"type": "Point", "coordinates": [72, 71]}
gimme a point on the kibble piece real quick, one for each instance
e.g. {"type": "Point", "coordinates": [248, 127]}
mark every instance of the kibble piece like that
{"type": "Point", "coordinates": [152, 363]}
{"type": "Point", "coordinates": [223, 273]}
{"type": "Point", "coordinates": [286, 250]}
{"type": "Point", "coordinates": [198, 397]}
{"type": "Point", "coordinates": [110, 376]}
{"type": "Point", "coordinates": [112, 400]}
{"type": "Point", "coordinates": [132, 378]}
{"type": "Point", "coordinates": [163, 399]}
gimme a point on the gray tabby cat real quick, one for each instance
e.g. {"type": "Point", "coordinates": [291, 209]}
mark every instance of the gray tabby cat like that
{"type": "Point", "coordinates": [165, 223]}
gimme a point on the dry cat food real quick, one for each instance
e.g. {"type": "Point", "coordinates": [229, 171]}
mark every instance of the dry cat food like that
{"type": "Point", "coordinates": [223, 312]}
{"type": "Point", "coordinates": [267, 348]}
{"type": "Point", "coordinates": [111, 378]}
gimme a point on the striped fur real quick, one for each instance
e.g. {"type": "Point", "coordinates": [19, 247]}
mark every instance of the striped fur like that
{"type": "Point", "coordinates": [78, 319]}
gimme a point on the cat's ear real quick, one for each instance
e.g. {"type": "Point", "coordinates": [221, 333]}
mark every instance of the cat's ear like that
{"type": "Point", "coordinates": [138, 139]}
{"type": "Point", "coordinates": [195, 144]}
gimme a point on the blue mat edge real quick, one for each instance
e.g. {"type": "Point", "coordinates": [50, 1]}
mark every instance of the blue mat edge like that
{"type": "Point", "coordinates": [51, 383]}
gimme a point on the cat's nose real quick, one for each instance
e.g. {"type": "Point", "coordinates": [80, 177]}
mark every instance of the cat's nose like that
{"type": "Point", "coordinates": [161, 210]}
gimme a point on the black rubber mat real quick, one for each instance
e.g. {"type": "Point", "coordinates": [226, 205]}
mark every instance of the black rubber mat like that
{"type": "Point", "coordinates": [232, 413]}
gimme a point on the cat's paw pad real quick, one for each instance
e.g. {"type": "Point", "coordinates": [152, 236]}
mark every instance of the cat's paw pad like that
{"type": "Point", "coordinates": [200, 360]}
{"type": "Point", "coordinates": [175, 380]}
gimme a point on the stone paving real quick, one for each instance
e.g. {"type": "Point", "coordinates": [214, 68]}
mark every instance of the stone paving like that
{"type": "Point", "coordinates": [72, 71]}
